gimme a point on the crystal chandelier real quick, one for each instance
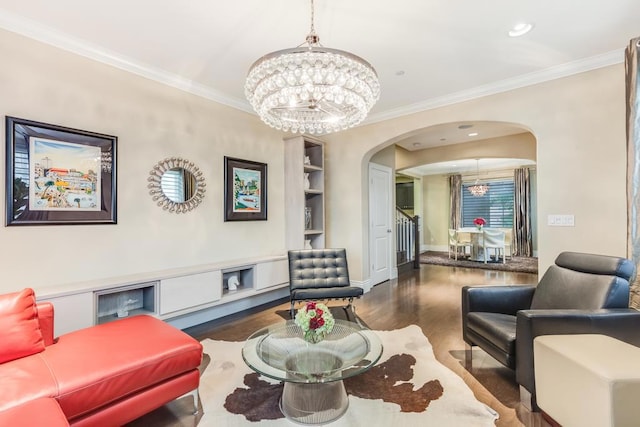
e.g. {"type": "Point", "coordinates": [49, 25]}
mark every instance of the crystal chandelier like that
{"type": "Point", "coordinates": [312, 89]}
{"type": "Point", "coordinates": [478, 190]}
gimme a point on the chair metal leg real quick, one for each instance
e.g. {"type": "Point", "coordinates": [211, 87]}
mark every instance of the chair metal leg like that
{"type": "Point", "coordinates": [292, 311]}
{"type": "Point", "coordinates": [350, 306]}
{"type": "Point", "coordinates": [196, 398]}
{"type": "Point", "coordinates": [468, 356]}
{"type": "Point", "coordinates": [527, 400]}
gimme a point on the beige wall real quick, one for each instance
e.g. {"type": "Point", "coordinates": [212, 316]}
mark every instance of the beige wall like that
{"type": "Point", "coordinates": [578, 123]}
{"type": "Point", "coordinates": [152, 122]}
{"type": "Point", "coordinates": [385, 157]}
{"type": "Point", "coordinates": [435, 211]}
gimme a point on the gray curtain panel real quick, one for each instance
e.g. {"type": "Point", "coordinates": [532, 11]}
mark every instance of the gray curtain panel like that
{"type": "Point", "coordinates": [522, 242]}
{"type": "Point", "coordinates": [632, 59]}
{"type": "Point", "coordinates": [455, 202]}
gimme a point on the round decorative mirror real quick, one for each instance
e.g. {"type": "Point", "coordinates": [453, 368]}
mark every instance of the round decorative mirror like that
{"type": "Point", "coordinates": [176, 185]}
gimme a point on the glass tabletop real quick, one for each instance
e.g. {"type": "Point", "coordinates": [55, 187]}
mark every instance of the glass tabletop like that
{"type": "Point", "coordinates": [280, 352]}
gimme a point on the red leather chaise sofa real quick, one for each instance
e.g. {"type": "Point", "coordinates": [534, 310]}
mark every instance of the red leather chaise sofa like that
{"type": "Point", "coordinates": [105, 375]}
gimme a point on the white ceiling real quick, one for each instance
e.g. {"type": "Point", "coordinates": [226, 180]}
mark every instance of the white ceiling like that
{"type": "Point", "coordinates": [447, 50]}
{"type": "Point", "coordinates": [427, 53]}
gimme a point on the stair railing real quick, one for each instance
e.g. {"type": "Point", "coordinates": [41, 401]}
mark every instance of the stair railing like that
{"type": "Point", "coordinates": [407, 239]}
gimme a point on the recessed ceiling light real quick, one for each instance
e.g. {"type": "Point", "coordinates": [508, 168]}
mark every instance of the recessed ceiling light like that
{"type": "Point", "coordinates": [400, 73]}
{"type": "Point", "coordinates": [473, 134]}
{"type": "Point", "coordinates": [465, 126]}
{"type": "Point", "coordinates": [520, 29]}
{"type": "Point", "coordinates": [417, 144]}
{"type": "Point", "coordinates": [443, 139]}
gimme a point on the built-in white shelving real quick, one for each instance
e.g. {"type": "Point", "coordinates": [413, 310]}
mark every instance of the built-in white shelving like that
{"type": "Point", "coordinates": [168, 294]}
{"type": "Point", "coordinates": [304, 192]}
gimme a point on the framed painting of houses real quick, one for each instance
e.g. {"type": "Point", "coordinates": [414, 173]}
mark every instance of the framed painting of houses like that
{"type": "Point", "coordinates": [58, 175]}
{"type": "Point", "coordinates": [245, 190]}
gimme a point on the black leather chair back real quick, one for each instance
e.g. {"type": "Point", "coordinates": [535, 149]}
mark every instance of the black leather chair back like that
{"type": "Point", "coordinates": [585, 281]}
{"type": "Point", "coordinates": [318, 268]}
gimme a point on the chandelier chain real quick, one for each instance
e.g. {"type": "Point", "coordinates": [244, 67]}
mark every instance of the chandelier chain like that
{"type": "Point", "coordinates": [313, 14]}
{"type": "Point", "coordinates": [312, 39]}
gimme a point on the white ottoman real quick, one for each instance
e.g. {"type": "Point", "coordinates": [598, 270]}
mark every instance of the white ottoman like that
{"type": "Point", "coordinates": [588, 380]}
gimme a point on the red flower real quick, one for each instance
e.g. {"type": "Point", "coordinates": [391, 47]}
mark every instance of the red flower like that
{"type": "Point", "coordinates": [311, 306]}
{"type": "Point", "coordinates": [316, 322]}
{"type": "Point", "coordinates": [479, 221]}
{"type": "Point", "coordinates": [319, 312]}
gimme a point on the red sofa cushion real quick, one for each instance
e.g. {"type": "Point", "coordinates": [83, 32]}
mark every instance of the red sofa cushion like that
{"type": "Point", "coordinates": [91, 372]}
{"type": "Point", "coordinates": [39, 412]}
{"type": "Point", "coordinates": [20, 333]}
{"type": "Point", "coordinates": [25, 379]}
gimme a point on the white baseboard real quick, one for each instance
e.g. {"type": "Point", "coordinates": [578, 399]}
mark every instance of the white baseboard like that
{"type": "Point", "coordinates": [437, 248]}
{"type": "Point", "coordinates": [364, 284]}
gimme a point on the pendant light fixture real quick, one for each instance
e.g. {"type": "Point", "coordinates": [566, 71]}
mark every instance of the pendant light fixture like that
{"type": "Point", "coordinates": [477, 189]}
{"type": "Point", "coordinates": [312, 89]}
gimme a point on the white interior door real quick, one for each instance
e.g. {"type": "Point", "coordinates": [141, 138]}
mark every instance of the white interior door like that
{"type": "Point", "coordinates": [380, 217]}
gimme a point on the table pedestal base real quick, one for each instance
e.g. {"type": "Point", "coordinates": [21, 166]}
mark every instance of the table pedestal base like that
{"type": "Point", "coordinates": [314, 403]}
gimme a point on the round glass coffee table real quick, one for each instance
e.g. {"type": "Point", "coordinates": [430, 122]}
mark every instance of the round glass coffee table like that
{"type": "Point", "coordinates": [312, 373]}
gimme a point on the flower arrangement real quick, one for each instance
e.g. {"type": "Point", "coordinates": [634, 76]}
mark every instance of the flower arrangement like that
{"type": "Point", "coordinates": [479, 222]}
{"type": "Point", "coordinates": [315, 320]}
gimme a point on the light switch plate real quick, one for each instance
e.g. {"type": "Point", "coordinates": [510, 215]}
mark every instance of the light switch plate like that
{"type": "Point", "coordinates": [561, 220]}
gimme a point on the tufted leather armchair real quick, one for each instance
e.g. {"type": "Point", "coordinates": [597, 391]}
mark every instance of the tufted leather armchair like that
{"type": "Point", "coordinates": [580, 294]}
{"type": "Point", "coordinates": [319, 274]}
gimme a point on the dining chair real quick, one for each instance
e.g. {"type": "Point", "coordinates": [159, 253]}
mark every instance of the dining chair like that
{"type": "Point", "coordinates": [457, 240]}
{"type": "Point", "coordinates": [493, 239]}
{"type": "Point", "coordinates": [508, 241]}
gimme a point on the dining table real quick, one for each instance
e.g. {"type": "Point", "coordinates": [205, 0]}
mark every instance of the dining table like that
{"type": "Point", "coordinates": [475, 233]}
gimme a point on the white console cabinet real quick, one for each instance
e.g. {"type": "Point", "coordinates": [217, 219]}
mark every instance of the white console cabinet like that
{"type": "Point", "coordinates": [187, 292]}
{"type": "Point", "coordinates": [169, 294]}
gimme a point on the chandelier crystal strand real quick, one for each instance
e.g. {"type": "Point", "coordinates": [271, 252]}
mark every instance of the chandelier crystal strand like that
{"type": "Point", "coordinates": [312, 89]}
{"type": "Point", "coordinates": [478, 190]}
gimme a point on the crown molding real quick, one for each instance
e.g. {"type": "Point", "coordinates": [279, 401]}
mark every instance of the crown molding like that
{"type": "Point", "coordinates": [559, 71]}
{"type": "Point", "coordinates": [48, 35]}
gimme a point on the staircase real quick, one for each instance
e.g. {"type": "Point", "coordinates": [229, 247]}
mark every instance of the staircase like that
{"type": "Point", "coordinates": [407, 241]}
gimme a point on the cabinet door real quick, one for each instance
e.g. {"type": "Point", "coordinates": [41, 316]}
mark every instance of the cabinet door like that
{"type": "Point", "coordinates": [72, 312]}
{"type": "Point", "coordinates": [272, 273]}
{"type": "Point", "coordinates": [180, 293]}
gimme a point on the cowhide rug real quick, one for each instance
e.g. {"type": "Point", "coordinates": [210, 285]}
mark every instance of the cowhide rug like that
{"type": "Point", "coordinates": [408, 387]}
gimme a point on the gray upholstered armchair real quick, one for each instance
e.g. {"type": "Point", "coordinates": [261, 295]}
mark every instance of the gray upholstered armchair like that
{"type": "Point", "coordinates": [320, 274]}
{"type": "Point", "coordinates": [581, 293]}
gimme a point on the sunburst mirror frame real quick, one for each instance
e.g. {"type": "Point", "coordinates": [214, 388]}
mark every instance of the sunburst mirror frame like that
{"type": "Point", "coordinates": [159, 196]}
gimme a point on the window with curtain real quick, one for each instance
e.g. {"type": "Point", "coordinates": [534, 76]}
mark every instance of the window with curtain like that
{"type": "Point", "coordinates": [496, 206]}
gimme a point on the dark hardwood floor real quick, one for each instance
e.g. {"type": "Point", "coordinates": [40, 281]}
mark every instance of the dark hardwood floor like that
{"type": "Point", "coordinates": [428, 297]}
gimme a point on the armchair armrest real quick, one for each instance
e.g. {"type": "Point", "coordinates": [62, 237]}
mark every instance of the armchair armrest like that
{"type": "Point", "coordinates": [621, 323]}
{"type": "Point", "coordinates": [496, 299]}
{"type": "Point", "coordinates": [45, 318]}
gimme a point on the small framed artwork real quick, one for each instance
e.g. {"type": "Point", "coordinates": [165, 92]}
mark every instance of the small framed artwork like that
{"type": "Point", "coordinates": [58, 175]}
{"type": "Point", "coordinates": [245, 190]}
